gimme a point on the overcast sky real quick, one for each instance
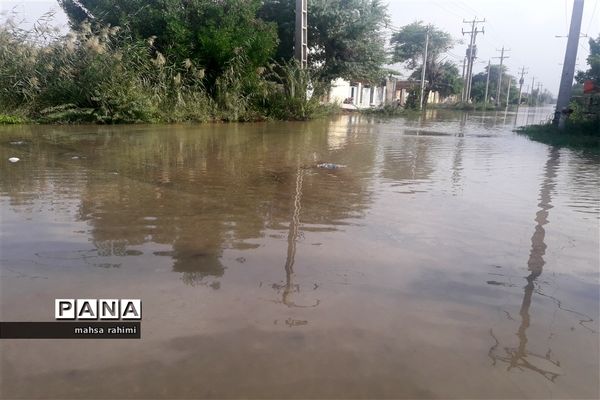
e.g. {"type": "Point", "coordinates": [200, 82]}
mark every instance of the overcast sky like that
{"type": "Point", "coordinates": [527, 27]}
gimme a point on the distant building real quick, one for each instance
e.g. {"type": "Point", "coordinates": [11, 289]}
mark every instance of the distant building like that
{"type": "Point", "coordinates": [358, 95]}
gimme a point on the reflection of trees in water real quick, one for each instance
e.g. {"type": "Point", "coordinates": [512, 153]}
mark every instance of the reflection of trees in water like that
{"type": "Point", "coordinates": [39, 168]}
{"type": "Point", "coordinates": [199, 190]}
{"type": "Point", "coordinates": [519, 357]}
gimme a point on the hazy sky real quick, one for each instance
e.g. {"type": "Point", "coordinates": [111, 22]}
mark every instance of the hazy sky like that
{"type": "Point", "coordinates": [527, 27]}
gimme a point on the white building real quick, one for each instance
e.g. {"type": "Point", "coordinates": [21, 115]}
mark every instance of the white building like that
{"type": "Point", "coordinates": [357, 96]}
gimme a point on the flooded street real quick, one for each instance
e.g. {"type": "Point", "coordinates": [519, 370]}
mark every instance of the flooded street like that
{"type": "Point", "coordinates": [447, 258]}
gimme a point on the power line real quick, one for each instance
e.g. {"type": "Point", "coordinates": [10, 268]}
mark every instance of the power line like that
{"type": "Point", "coordinates": [466, 7]}
{"type": "Point", "coordinates": [446, 9]}
{"type": "Point", "coordinates": [592, 18]}
{"type": "Point", "coordinates": [566, 17]}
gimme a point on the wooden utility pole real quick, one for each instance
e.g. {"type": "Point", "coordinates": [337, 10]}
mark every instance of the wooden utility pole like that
{"type": "Point", "coordinates": [521, 82]}
{"type": "Point", "coordinates": [568, 72]}
{"type": "Point", "coordinates": [424, 66]}
{"type": "Point", "coordinates": [301, 36]}
{"type": "Point", "coordinates": [531, 93]}
{"type": "Point", "coordinates": [471, 52]}
{"type": "Point", "coordinates": [502, 57]}
{"type": "Point", "coordinates": [508, 90]}
{"type": "Point", "coordinates": [487, 81]}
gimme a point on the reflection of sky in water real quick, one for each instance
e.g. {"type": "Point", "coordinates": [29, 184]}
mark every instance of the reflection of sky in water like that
{"type": "Point", "coordinates": [448, 234]}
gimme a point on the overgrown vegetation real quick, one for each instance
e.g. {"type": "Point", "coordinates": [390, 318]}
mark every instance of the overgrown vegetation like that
{"type": "Point", "coordinates": [95, 74]}
{"type": "Point", "coordinates": [172, 60]}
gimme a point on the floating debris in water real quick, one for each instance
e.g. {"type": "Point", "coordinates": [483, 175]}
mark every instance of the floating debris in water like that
{"type": "Point", "coordinates": [14, 159]}
{"type": "Point", "coordinates": [19, 142]}
{"type": "Point", "coordinates": [75, 158]}
{"type": "Point", "coordinates": [330, 166]}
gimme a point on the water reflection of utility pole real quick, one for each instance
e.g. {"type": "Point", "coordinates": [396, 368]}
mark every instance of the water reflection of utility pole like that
{"type": "Point", "coordinates": [457, 163]}
{"type": "Point", "coordinates": [288, 288]}
{"type": "Point", "coordinates": [518, 357]}
{"type": "Point", "coordinates": [463, 122]}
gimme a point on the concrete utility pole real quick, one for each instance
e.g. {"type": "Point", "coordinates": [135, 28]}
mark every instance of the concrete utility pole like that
{"type": "Point", "coordinates": [539, 91]}
{"type": "Point", "coordinates": [568, 72]}
{"type": "Point", "coordinates": [301, 37]}
{"type": "Point", "coordinates": [521, 82]}
{"type": "Point", "coordinates": [508, 90]}
{"type": "Point", "coordinates": [531, 93]}
{"type": "Point", "coordinates": [487, 81]}
{"type": "Point", "coordinates": [424, 67]}
{"type": "Point", "coordinates": [502, 57]}
{"type": "Point", "coordinates": [471, 53]}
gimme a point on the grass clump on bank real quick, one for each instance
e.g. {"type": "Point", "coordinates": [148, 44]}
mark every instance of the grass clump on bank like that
{"type": "Point", "coordinates": [584, 134]}
{"type": "Point", "coordinates": [11, 119]}
{"type": "Point", "coordinates": [389, 110]}
{"type": "Point", "coordinates": [582, 130]}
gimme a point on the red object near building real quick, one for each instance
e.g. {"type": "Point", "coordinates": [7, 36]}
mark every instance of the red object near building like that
{"type": "Point", "coordinates": [590, 86]}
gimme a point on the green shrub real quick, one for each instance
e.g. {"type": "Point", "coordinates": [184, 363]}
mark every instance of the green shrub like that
{"type": "Point", "coordinates": [294, 94]}
{"type": "Point", "coordinates": [95, 74]}
{"type": "Point", "coordinates": [10, 119]}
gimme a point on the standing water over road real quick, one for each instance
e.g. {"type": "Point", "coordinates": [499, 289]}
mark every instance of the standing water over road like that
{"type": "Point", "coordinates": [449, 258]}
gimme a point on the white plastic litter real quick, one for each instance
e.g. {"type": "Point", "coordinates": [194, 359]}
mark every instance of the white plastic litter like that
{"type": "Point", "coordinates": [13, 159]}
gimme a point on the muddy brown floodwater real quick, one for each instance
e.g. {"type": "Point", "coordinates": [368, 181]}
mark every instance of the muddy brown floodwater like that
{"type": "Point", "coordinates": [449, 258]}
